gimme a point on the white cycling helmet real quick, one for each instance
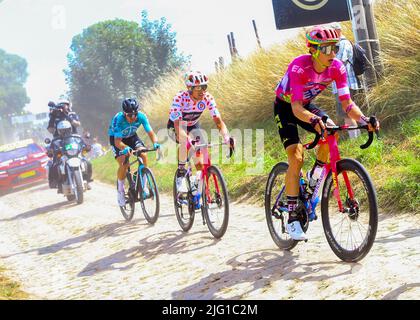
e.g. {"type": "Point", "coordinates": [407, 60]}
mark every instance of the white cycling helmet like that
{"type": "Point", "coordinates": [64, 128]}
{"type": "Point", "coordinates": [195, 78]}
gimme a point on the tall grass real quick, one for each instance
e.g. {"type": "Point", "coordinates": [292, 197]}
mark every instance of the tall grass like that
{"type": "Point", "coordinates": [244, 90]}
{"type": "Point", "coordinates": [398, 24]}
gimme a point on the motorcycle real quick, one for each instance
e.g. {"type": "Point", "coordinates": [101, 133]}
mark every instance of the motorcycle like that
{"type": "Point", "coordinates": [71, 164]}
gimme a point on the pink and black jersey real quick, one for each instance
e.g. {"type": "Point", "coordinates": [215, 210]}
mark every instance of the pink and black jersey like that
{"type": "Point", "coordinates": [185, 108]}
{"type": "Point", "coordinates": [302, 83]}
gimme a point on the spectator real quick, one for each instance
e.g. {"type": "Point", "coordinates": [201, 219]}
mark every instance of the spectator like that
{"type": "Point", "coordinates": [345, 54]}
{"type": "Point", "coordinates": [97, 149]}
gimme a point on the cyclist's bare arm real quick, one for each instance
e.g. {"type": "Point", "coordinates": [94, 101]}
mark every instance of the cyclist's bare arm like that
{"type": "Point", "coordinates": [302, 114]}
{"type": "Point", "coordinates": [354, 112]}
{"type": "Point", "coordinates": [152, 136]}
{"type": "Point", "coordinates": [221, 126]}
{"type": "Point", "coordinates": [119, 144]}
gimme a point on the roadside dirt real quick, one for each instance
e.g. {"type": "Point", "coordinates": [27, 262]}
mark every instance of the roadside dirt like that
{"type": "Point", "coordinates": [60, 250]}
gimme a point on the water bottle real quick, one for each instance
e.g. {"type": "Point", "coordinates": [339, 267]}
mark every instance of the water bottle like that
{"type": "Point", "coordinates": [193, 185]}
{"type": "Point", "coordinates": [312, 215]}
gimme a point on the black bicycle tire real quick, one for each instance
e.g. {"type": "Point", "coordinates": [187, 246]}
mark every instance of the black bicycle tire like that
{"type": "Point", "coordinates": [184, 226]}
{"type": "Point", "coordinates": [150, 219]}
{"type": "Point", "coordinates": [366, 245]}
{"type": "Point", "coordinates": [289, 244]}
{"type": "Point", "coordinates": [128, 217]}
{"type": "Point", "coordinates": [217, 233]}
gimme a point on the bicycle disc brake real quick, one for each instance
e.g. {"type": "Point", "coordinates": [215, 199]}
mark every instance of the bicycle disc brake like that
{"type": "Point", "coordinates": [353, 209]}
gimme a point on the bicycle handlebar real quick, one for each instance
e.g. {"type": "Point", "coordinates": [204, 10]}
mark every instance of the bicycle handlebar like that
{"type": "Point", "coordinates": [210, 145]}
{"type": "Point", "coordinates": [138, 152]}
{"type": "Point", "coordinates": [333, 129]}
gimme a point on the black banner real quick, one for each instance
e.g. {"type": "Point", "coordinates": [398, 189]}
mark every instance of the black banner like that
{"type": "Point", "coordinates": [299, 13]}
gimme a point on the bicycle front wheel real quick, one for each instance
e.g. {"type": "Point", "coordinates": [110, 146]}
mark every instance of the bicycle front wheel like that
{"type": "Point", "coordinates": [215, 207]}
{"type": "Point", "coordinates": [184, 205]}
{"type": "Point", "coordinates": [149, 196]}
{"type": "Point", "coordinates": [351, 233]}
{"type": "Point", "coordinates": [130, 198]}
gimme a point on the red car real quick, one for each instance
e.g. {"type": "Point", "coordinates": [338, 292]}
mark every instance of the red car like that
{"type": "Point", "coordinates": [22, 163]}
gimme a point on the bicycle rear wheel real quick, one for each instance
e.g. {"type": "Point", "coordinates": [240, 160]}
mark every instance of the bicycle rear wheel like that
{"type": "Point", "coordinates": [350, 234]}
{"type": "Point", "coordinates": [184, 205]}
{"type": "Point", "coordinates": [149, 197]}
{"type": "Point", "coordinates": [130, 198]}
{"type": "Point", "coordinates": [215, 207]}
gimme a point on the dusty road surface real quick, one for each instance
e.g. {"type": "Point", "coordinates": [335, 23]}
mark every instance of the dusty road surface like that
{"type": "Point", "coordinates": [59, 250]}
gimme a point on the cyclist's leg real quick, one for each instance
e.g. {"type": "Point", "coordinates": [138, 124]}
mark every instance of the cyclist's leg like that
{"type": "Point", "coordinates": [122, 169]}
{"type": "Point", "coordinates": [196, 132]}
{"type": "Point", "coordinates": [287, 126]}
{"type": "Point", "coordinates": [323, 151]}
{"type": "Point", "coordinates": [181, 163]}
{"type": "Point", "coordinates": [137, 144]}
{"type": "Point", "coordinates": [121, 172]}
{"type": "Point", "coordinates": [182, 154]}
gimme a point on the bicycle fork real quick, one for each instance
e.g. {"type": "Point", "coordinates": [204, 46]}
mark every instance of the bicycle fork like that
{"type": "Point", "coordinates": [334, 158]}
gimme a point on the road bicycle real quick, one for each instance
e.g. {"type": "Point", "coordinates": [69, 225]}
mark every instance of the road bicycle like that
{"type": "Point", "coordinates": [140, 186]}
{"type": "Point", "coordinates": [212, 200]}
{"type": "Point", "coordinates": [349, 207]}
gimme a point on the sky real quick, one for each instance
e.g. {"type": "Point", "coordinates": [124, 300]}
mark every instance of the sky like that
{"type": "Point", "coordinates": [41, 31]}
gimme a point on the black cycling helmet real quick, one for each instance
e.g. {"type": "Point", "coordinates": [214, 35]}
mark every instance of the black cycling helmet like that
{"type": "Point", "coordinates": [130, 105]}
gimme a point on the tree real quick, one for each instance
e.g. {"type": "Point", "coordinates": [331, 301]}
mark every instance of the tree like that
{"type": "Point", "coordinates": [114, 59]}
{"type": "Point", "coordinates": [13, 75]}
{"type": "Point", "coordinates": [163, 43]}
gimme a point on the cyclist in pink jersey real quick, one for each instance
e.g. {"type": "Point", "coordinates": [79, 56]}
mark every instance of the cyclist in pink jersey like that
{"type": "Point", "coordinates": [186, 110]}
{"type": "Point", "coordinates": [306, 77]}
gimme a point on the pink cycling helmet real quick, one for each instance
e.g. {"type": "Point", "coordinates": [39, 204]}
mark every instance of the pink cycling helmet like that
{"type": "Point", "coordinates": [319, 35]}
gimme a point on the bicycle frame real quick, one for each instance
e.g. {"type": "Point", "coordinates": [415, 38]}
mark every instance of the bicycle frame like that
{"type": "Point", "coordinates": [140, 168]}
{"type": "Point", "coordinates": [332, 166]}
{"type": "Point", "coordinates": [334, 154]}
{"type": "Point", "coordinates": [206, 165]}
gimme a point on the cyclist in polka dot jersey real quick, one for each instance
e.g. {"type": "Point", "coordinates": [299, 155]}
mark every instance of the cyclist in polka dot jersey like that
{"type": "Point", "coordinates": [184, 116]}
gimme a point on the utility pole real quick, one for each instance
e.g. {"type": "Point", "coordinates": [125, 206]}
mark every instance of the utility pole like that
{"type": "Point", "coordinates": [256, 33]}
{"type": "Point", "coordinates": [235, 51]}
{"type": "Point", "coordinates": [373, 38]}
{"type": "Point", "coordinates": [232, 54]}
{"type": "Point", "coordinates": [221, 63]}
{"type": "Point", "coordinates": [357, 14]}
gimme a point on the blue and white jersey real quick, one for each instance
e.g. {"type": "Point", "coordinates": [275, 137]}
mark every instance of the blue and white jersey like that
{"type": "Point", "coordinates": [120, 128]}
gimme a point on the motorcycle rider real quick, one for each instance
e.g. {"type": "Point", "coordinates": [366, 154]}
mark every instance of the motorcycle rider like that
{"type": "Point", "coordinates": [59, 112]}
{"type": "Point", "coordinates": [61, 115]}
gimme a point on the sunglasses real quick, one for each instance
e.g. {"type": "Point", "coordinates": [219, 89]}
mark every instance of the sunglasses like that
{"type": "Point", "coordinates": [131, 115]}
{"type": "Point", "coordinates": [202, 87]}
{"type": "Point", "coordinates": [328, 49]}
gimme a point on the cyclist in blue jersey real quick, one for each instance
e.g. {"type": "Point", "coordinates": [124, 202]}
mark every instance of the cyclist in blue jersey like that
{"type": "Point", "coordinates": [123, 139]}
